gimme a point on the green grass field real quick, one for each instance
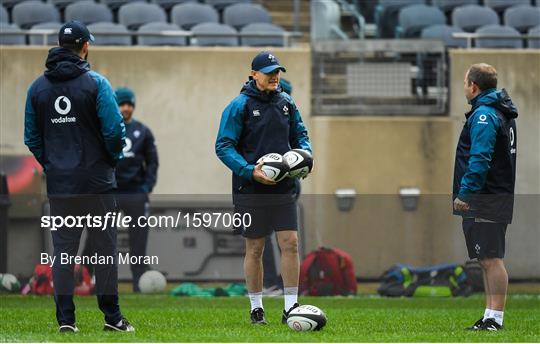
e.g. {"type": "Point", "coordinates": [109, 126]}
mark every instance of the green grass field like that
{"type": "Point", "coordinates": [162, 318]}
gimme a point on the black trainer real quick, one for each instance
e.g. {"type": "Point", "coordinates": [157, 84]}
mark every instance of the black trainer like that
{"type": "Point", "coordinates": [68, 328]}
{"type": "Point", "coordinates": [491, 325]}
{"type": "Point", "coordinates": [286, 313]}
{"type": "Point", "coordinates": [257, 316]}
{"type": "Point", "coordinates": [124, 326]}
{"type": "Point", "coordinates": [477, 325]}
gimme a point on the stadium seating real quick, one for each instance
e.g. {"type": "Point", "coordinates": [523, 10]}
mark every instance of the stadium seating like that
{"type": "Point", "coordinates": [386, 15]}
{"type": "Point", "coordinates": [29, 13]}
{"type": "Point", "coordinates": [213, 28]}
{"type": "Point", "coordinates": [325, 20]}
{"type": "Point", "coordinates": [448, 5]}
{"type": "Point", "coordinates": [11, 39]}
{"type": "Point", "coordinates": [522, 18]}
{"type": "Point", "coordinates": [498, 30]}
{"type": "Point", "coordinates": [501, 5]}
{"type": "Point", "coordinates": [534, 42]}
{"type": "Point", "coordinates": [240, 15]}
{"type": "Point", "coordinates": [88, 12]}
{"type": "Point", "coordinates": [157, 39]}
{"type": "Point", "coordinates": [262, 28]}
{"type": "Point", "coordinates": [60, 4]}
{"type": "Point", "coordinates": [168, 4]}
{"type": "Point", "coordinates": [136, 14]}
{"type": "Point", "coordinates": [190, 14]}
{"type": "Point", "coordinates": [115, 4]}
{"type": "Point", "coordinates": [98, 30]}
{"type": "Point", "coordinates": [412, 19]}
{"type": "Point", "coordinates": [4, 16]}
{"type": "Point", "coordinates": [51, 39]}
{"type": "Point", "coordinates": [8, 4]}
{"type": "Point", "coordinates": [221, 4]}
{"type": "Point", "coordinates": [471, 17]}
{"type": "Point", "coordinates": [444, 33]}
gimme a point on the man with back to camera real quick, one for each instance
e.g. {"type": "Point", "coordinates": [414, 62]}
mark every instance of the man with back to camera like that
{"type": "Point", "coordinates": [136, 176]}
{"type": "Point", "coordinates": [262, 120]}
{"type": "Point", "coordinates": [75, 131]}
{"type": "Point", "coordinates": [484, 180]}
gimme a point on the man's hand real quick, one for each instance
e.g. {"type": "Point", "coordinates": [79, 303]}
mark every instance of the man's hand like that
{"type": "Point", "coordinates": [259, 176]}
{"type": "Point", "coordinates": [459, 205]}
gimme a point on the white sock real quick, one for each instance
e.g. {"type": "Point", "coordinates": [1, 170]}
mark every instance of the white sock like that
{"type": "Point", "coordinates": [290, 295]}
{"type": "Point", "coordinates": [487, 313]}
{"type": "Point", "coordinates": [498, 316]}
{"type": "Point", "coordinates": [256, 300]}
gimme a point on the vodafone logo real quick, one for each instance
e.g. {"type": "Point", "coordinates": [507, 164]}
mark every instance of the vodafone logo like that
{"type": "Point", "coordinates": [62, 105]}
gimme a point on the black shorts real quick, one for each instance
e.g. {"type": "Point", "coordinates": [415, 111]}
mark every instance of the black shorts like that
{"type": "Point", "coordinates": [484, 239]}
{"type": "Point", "coordinates": [267, 219]}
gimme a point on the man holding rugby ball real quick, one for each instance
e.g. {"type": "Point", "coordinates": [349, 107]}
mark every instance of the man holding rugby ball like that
{"type": "Point", "coordinates": [262, 120]}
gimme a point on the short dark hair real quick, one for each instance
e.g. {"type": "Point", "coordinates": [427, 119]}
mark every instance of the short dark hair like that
{"type": "Point", "coordinates": [483, 75]}
{"type": "Point", "coordinates": [75, 47]}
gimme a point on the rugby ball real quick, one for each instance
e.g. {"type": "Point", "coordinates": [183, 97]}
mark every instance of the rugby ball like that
{"type": "Point", "coordinates": [300, 162]}
{"type": "Point", "coordinates": [9, 283]}
{"type": "Point", "coordinates": [152, 281]}
{"type": "Point", "coordinates": [274, 166]}
{"type": "Point", "coordinates": [306, 318]}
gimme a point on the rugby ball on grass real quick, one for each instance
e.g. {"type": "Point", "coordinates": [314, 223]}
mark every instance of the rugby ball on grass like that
{"type": "Point", "coordinates": [152, 281]}
{"type": "Point", "coordinates": [306, 318]}
{"type": "Point", "coordinates": [9, 283]}
{"type": "Point", "coordinates": [275, 167]}
{"type": "Point", "coordinates": [300, 162]}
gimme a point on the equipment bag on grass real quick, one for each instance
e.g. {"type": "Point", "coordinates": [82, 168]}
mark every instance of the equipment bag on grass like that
{"type": "Point", "coordinates": [327, 271]}
{"type": "Point", "coordinates": [436, 280]}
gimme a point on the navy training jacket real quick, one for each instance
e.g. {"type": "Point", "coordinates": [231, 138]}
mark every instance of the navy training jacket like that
{"type": "Point", "coordinates": [73, 126]}
{"type": "Point", "coordinates": [485, 165]}
{"type": "Point", "coordinates": [256, 123]}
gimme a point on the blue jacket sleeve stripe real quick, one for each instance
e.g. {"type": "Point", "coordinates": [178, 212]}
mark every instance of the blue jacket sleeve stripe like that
{"type": "Point", "coordinates": [483, 127]}
{"type": "Point", "coordinates": [229, 133]}
{"type": "Point", "coordinates": [299, 134]}
{"type": "Point", "coordinates": [112, 123]}
{"type": "Point", "coordinates": [32, 135]}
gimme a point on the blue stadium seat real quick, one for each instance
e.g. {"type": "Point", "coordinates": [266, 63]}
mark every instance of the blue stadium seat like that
{"type": "Point", "coordinates": [471, 17]}
{"type": "Point", "coordinates": [325, 21]}
{"type": "Point", "coordinates": [448, 5]}
{"type": "Point", "coordinates": [136, 14]}
{"type": "Point", "coordinates": [11, 39]}
{"type": "Point", "coordinates": [499, 30]}
{"type": "Point", "coordinates": [8, 4]}
{"type": "Point", "coordinates": [444, 33]}
{"type": "Point", "coordinates": [158, 39]}
{"type": "Point", "coordinates": [168, 4]}
{"type": "Point", "coordinates": [29, 13]}
{"type": "Point", "coordinates": [190, 14]}
{"type": "Point", "coordinates": [221, 4]}
{"type": "Point", "coordinates": [63, 3]}
{"type": "Point", "coordinates": [262, 28]}
{"type": "Point", "coordinates": [199, 31]}
{"type": "Point", "coordinates": [98, 30]}
{"type": "Point", "coordinates": [88, 12]}
{"type": "Point", "coordinates": [4, 16]}
{"type": "Point", "coordinates": [240, 15]}
{"type": "Point", "coordinates": [51, 39]}
{"type": "Point", "coordinates": [501, 5]}
{"type": "Point", "coordinates": [115, 4]}
{"type": "Point", "coordinates": [522, 18]}
{"type": "Point", "coordinates": [534, 42]}
{"type": "Point", "coordinates": [386, 15]}
{"type": "Point", "coordinates": [412, 19]}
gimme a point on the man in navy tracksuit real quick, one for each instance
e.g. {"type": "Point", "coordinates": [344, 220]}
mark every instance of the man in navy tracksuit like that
{"type": "Point", "coordinates": [262, 120]}
{"type": "Point", "coordinates": [75, 131]}
{"type": "Point", "coordinates": [484, 179]}
{"type": "Point", "coordinates": [136, 176]}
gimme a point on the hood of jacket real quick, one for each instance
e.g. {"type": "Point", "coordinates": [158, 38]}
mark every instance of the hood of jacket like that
{"type": "Point", "coordinates": [498, 99]}
{"type": "Point", "coordinates": [63, 64]}
{"type": "Point", "coordinates": [250, 89]}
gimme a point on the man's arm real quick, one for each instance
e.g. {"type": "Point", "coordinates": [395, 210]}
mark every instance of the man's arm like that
{"type": "Point", "coordinates": [32, 134]}
{"type": "Point", "coordinates": [151, 162]}
{"type": "Point", "coordinates": [112, 123]}
{"type": "Point", "coordinates": [229, 133]}
{"type": "Point", "coordinates": [298, 136]}
{"type": "Point", "coordinates": [483, 127]}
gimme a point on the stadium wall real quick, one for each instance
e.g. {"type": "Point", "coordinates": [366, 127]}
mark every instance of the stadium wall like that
{"type": "Point", "coordinates": [182, 91]}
